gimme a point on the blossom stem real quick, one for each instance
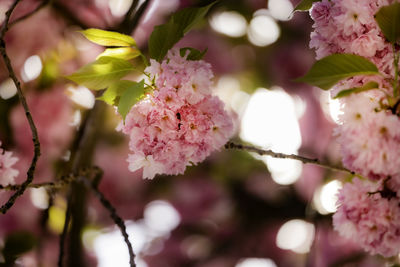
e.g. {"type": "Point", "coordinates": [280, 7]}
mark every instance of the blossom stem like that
{"type": "Point", "coordinates": [35, 136]}
{"type": "Point", "coordinates": [266, 152]}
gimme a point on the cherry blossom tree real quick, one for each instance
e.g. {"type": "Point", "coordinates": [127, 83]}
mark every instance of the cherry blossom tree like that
{"type": "Point", "coordinates": [97, 95]}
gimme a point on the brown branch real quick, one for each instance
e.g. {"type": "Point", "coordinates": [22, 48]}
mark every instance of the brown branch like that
{"type": "Point", "coordinates": [113, 214]}
{"type": "Point", "coordinates": [60, 183]}
{"type": "Point", "coordinates": [266, 152]}
{"type": "Point", "coordinates": [63, 236]}
{"type": "Point", "coordinates": [39, 7]}
{"type": "Point", "coordinates": [35, 137]}
{"type": "Point", "coordinates": [83, 152]}
{"type": "Point", "coordinates": [132, 18]}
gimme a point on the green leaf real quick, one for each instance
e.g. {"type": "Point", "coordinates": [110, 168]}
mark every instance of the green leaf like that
{"type": "Point", "coordinates": [16, 244]}
{"type": "Point", "coordinates": [331, 69]}
{"type": "Point", "coordinates": [388, 19]}
{"type": "Point", "coordinates": [356, 90]}
{"type": "Point", "coordinates": [165, 36]}
{"type": "Point", "coordinates": [130, 97]}
{"type": "Point", "coordinates": [162, 39]}
{"type": "Point", "coordinates": [116, 90]}
{"type": "Point", "coordinates": [126, 53]}
{"type": "Point", "coordinates": [101, 73]}
{"type": "Point", "coordinates": [194, 54]}
{"type": "Point", "coordinates": [108, 38]}
{"type": "Point", "coordinates": [188, 17]}
{"type": "Point", "coordinates": [305, 5]}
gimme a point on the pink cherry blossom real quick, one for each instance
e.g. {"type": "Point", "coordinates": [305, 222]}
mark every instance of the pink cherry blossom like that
{"type": "Point", "coordinates": [7, 172]}
{"type": "Point", "coordinates": [180, 123]}
{"type": "Point", "coordinates": [369, 139]}
{"type": "Point", "coordinates": [348, 26]}
{"type": "Point", "coordinates": [369, 216]}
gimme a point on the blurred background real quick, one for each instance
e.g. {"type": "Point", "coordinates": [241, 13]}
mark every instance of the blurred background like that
{"type": "Point", "coordinates": [234, 209]}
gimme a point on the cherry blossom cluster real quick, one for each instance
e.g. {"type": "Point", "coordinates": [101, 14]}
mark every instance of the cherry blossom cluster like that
{"type": "Point", "coordinates": [7, 172]}
{"type": "Point", "coordinates": [180, 123]}
{"type": "Point", "coordinates": [348, 26]}
{"type": "Point", "coordinates": [369, 126]}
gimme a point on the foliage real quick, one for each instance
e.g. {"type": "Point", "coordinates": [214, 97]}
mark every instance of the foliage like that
{"type": "Point", "coordinates": [330, 70]}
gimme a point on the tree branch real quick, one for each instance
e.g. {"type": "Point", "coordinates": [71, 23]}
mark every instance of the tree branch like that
{"type": "Point", "coordinates": [113, 214]}
{"type": "Point", "coordinates": [60, 183]}
{"type": "Point", "coordinates": [273, 154]}
{"type": "Point", "coordinates": [131, 20]}
{"type": "Point", "coordinates": [35, 137]}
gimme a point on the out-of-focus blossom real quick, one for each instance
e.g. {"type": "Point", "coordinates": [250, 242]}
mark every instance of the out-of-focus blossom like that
{"type": "Point", "coordinates": [52, 112]}
{"type": "Point", "coordinates": [7, 170]}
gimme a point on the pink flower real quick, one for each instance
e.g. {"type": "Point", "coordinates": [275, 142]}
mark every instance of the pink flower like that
{"type": "Point", "coordinates": [348, 26]}
{"type": "Point", "coordinates": [367, 44]}
{"type": "Point", "coordinates": [370, 140]}
{"type": "Point", "coordinates": [181, 123]}
{"type": "Point", "coordinates": [369, 216]}
{"type": "Point", "coordinates": [7, 172]}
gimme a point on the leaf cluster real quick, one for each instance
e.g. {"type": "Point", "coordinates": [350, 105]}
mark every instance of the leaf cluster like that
{"type": "Point", "coordinates": [107, 71]}
{"type": "Point", "coordinates": [329, 70]}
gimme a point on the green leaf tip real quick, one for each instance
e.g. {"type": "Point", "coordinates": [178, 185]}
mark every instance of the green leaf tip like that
{"type": "Point", "coordinates": [356, 90]}
{"type": "Point", "coordinates": [101, 73]}
{"type": "Point", "coordinates": [329, 70]}
{"type": "Point", "coordinates": [108, 38]}
{"type": "Point", "coordinates": [388, 19]}
{"type": "Point", "coordinates": [165, 36]}
{"type": "Point", "coordinates": [126, 53]}
{"type": "Point", "coordinates": [130, 97]}
{"type": "Point", "coordinates": [115, 90]}
{"type": "Point", "coordinates": [305, 5]}
{"type": "Point", "coordinates": [193, 54]}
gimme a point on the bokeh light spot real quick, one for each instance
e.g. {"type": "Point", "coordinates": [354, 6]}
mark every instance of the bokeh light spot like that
{"type": "Point", "coordinates": [296, 235]}
{"type": "Point", "coordinates": [7, 89]}
{"type": "Point", "coordinates": [325, 197]}
{"type": "Point", "coordinates": [263, 30]}
{"type": "Point", "coordinates": [280, 9]}
{"type": "Point", "coordinates": [32, 68]}
{"type": "Point", "coordinates": [256, 262]}
{"type": "Point", "coordinates": [230, 23]}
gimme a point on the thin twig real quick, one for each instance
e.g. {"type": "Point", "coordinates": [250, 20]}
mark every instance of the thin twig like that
{"type": "Point", "coordinates": [83, 172]}
{"type": "Point", "coordinates": [113, 214]}
{"type": "Point", "coordinates": [35, 137]}
{"type": "Point", "coordinates": [128, 16]}
{"type": "Point", "coordinates": [63, 236]}
{"type": "Point", "coordinates": [39, 7]}
{"type": "Point", "coordinates": [60, 183]}
{"type": "Point", "coordinates": [266, 152]}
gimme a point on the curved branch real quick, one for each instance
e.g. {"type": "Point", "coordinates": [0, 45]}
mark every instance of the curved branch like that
{"type": "Point", "coordinates": [113, 214]}
{"type": "Point", "coordinates": [266, 152]}
{"type": "Point", "coordinates": [60, 183]}
{"type": "Point", "coordinates": [35, 137]}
